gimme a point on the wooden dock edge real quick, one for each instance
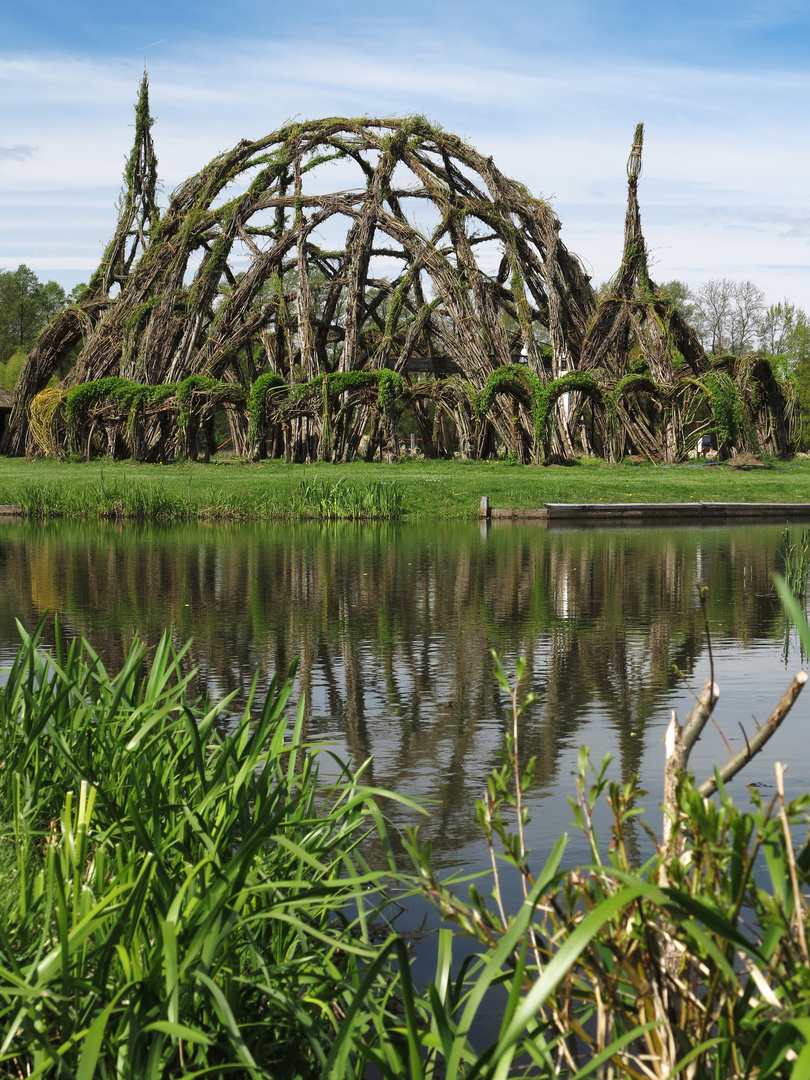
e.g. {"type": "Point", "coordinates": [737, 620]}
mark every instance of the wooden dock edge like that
{"type": "Point", "coordinates": [642, 512]}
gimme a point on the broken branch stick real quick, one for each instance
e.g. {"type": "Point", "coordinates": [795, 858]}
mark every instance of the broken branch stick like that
{"type": "Point", "coordinates": [757, 741]}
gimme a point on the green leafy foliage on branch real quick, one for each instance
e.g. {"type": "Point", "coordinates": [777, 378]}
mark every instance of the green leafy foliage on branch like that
{"type": "Point", "coordinates": [258, 418]}
{"type": "Point", "coordinates": [727, 411]}
{"type": "Point", "coordinates": [539, 397]}
{"type": "Point", "coordinates": [694, 965]}
{"type": "Point", "coordinates": [131, 397]}
{"type": "Point", "coordinates": [127, 395]}
{"type": "Point", "coordinates": [634, 381]}
{"type": "Point", "coordinates": [389, 385]}
{"type": "Point", "coordinates": [270, 393]}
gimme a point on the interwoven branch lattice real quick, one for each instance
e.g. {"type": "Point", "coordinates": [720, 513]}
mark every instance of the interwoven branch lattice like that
{"type": "Point", "coordinates": [367, 246]}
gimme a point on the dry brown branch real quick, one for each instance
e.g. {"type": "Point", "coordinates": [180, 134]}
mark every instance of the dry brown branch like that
{"type": "Point", "coordinates": [798, 900]}
{"type": "Point", "coordinates": [759, 738]}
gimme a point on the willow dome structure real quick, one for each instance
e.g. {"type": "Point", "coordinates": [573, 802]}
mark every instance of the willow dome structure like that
{"type": "Point", "coordinates": [429, 284]}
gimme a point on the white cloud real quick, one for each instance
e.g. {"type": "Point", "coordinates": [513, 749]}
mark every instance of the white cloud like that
{"type": "Point", "coordinates": [723, 190]}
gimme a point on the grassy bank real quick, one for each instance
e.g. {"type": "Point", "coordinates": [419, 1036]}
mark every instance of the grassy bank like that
{"type": "Point", "coordinates": [230, 490]}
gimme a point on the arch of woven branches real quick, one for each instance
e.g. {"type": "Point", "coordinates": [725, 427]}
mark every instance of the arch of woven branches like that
{"type": "Point", "coordinates": [317, 282]}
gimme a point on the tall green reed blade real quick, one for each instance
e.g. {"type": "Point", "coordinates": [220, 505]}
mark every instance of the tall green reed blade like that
{"type": "Point", "coordinates": [794, 610]}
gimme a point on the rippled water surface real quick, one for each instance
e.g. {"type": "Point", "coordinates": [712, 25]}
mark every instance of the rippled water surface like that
{"type": "Point", "coordinates": [392, 626]}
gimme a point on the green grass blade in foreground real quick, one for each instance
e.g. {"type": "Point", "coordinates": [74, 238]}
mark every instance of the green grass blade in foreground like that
{"type": "Point", "coordinates": [794, 611]}
{"type": "Point", "coordinates": [94, 1039]}
{"type": "Point", "coordinates": [355, 1020]}
{"type": "Point", "coordinates": [491, 969]}
{"type": "Point", "coordinates": [558, 967]}
{"type": "Point", "coordinates": [213, 878]}
{"type": "Point", "coordinates": [781, 1043]}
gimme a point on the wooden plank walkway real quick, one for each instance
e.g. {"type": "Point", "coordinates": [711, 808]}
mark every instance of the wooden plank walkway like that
{"type": "Point", "coordinates": [644, 512]}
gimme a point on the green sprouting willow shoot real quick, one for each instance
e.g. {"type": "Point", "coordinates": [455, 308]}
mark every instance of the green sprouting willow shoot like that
{"type": "Point", "coordinates": [507, 786]}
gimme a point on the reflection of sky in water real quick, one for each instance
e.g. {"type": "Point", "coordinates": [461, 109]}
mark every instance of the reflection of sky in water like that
{"type": "Point", "coordinates": [392, 627]}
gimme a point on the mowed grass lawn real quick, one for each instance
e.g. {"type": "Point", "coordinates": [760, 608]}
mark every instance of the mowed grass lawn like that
{"type": "Point", "coordinates": [440, 489]}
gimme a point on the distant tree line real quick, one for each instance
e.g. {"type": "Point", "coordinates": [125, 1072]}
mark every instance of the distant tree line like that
{"type": "Point", "coordinates": [733, 317]}
{"type": "Point", "coordinates": [27, 305]}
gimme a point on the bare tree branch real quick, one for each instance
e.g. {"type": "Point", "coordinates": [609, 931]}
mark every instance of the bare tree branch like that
{"type": "Point", "coordinates": [760, 738]}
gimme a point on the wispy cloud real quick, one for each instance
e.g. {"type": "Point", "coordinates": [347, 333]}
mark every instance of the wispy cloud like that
{"type": "Point", "coordinates": [20, 152]}
{"type": "Point", "coordinates": [718, 143]}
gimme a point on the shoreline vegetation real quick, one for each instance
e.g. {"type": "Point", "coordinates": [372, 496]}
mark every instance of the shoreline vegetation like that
{"type": "Point", "coordinates": [230, 490]}
{"type": "Point", "coordinates": [179, 900]}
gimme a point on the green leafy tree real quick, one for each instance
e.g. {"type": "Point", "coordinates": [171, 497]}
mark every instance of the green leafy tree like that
{"type": "Point", "coordinates": [26, 306]}
{"type": "Point", "coordinates": [76, 293]}
{"type": "Point", "coordinates": [785, 331]}
{"type": "Point", "coordinates": [10, 370]}
{"type": "Point", "coordinates": [679, 294]}
{"type": "Point", "coordinates": [784, 335]}
{"type": "Point", "coordinates": [801, 376]}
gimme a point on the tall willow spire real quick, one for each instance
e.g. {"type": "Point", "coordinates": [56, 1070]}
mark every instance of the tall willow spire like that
{"type": "Point", "coordinates": [137, 207]}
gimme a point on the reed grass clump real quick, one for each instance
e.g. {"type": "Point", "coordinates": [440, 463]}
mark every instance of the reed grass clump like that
{"type": "Point", "coordinates": [111, 501]}
{"type": "Point", "coordinates": [116, 500]}
{"type": "Point", "coordinates": [180, 902]}
{"type": "Point", "coordinates": [337, 501]}
{"type": "Point", "coordinates": [796, 560]}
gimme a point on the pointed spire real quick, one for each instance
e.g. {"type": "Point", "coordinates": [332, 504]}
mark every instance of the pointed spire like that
{"type": "Point", "coordinates": [634, 262]}
{"type": "Point", "coordinates": [137, 205]}
{"type": "Point", "coordinates": [634, 161]}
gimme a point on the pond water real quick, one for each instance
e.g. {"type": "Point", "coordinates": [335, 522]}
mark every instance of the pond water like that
{"type": "Point", "coordinates": [393, 625]}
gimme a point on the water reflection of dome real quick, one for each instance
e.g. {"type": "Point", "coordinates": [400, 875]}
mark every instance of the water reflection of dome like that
{"type": "Point", "coordinates": [392, 627]}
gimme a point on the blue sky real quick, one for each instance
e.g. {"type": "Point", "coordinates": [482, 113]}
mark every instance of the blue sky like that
{"type": "Point", "coordinates": [552, 91]}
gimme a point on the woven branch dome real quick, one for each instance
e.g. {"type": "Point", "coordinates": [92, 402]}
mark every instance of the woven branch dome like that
{"type": "Point", "coordinates": [340, 246]}
{"type": "Point", "coordinates": [426, 250]}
